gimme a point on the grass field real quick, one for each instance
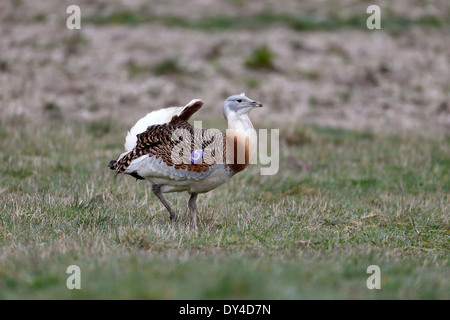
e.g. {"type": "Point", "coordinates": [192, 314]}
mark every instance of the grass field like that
{"type": "Point", "coordinates": [342, 200]}
{"type": "Point", "coordinates": [364, 177]}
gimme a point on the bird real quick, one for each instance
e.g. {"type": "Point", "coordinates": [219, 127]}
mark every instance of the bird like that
{"type": "Point", "coordinates": [164, 149]}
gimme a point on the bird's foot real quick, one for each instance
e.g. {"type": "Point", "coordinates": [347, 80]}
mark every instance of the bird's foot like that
{"type": "Point", "coordinates": [173, 217]}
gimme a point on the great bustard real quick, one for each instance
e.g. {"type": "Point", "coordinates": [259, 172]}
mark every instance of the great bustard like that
{"type": "Point", "coordinates": [174, 156]}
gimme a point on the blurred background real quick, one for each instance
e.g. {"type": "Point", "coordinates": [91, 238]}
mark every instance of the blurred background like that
{"type": "Point", "coordinates": [308, 62]}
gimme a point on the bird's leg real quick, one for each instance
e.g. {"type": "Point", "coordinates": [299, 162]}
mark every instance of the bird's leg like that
{"type": "Point", "coordinates": [193, 209]}
{"type": "Point", "coordinates": [156, 188]}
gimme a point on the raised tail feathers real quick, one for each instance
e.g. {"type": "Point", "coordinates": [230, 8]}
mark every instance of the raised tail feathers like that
{"type": "Point", "coordinates": [112, 164]}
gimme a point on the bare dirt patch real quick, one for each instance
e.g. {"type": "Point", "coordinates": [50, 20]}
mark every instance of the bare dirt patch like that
{"type": "Point", "coordinates": [351, 77]}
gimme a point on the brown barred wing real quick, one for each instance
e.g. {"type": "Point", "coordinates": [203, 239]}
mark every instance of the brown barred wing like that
{"type": "Point", "coordinates": [179, 145]}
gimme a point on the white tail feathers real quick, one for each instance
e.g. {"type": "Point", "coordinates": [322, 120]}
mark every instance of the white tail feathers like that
{"type": "Point", "coordinates": [155, 117]}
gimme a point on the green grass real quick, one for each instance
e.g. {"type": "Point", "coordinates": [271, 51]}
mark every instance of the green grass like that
{"type": "Point", "coordinates": [366, 199]}
{"type": "Point", "coordinates": [261, 57]}
{"type": "Point", "coordinates": [167, 66]}
{"type": "Point", "coordinates": [297, 21]}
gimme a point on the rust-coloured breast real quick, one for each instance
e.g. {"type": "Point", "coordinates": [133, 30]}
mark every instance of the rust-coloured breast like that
{"type": "Point", "coordinates": [237, 152]}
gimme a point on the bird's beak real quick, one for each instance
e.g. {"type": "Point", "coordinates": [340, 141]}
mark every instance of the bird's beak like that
{"type": "Point", "coordinates": [256, 104]}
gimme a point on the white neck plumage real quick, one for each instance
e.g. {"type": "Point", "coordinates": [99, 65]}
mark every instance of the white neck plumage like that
{"type": "Point", "coordinates": [240, 122]}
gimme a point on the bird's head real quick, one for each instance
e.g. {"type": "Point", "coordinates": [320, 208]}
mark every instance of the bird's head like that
{"type": "Point", "coordinates": [238, 105]}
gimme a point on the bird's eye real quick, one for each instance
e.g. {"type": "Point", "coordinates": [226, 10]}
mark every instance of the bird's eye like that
{"type": "Point", "coordinates": [239, 100]}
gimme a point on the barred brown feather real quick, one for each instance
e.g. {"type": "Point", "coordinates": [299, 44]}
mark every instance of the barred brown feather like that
{"type": "Point", "coordinates": [159, 141]}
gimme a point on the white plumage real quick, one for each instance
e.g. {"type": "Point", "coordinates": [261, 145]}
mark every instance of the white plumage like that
{"type": "Point", "coordinates": [155, 117]}
{"type": "Point", "coordinates": [149, 143]}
